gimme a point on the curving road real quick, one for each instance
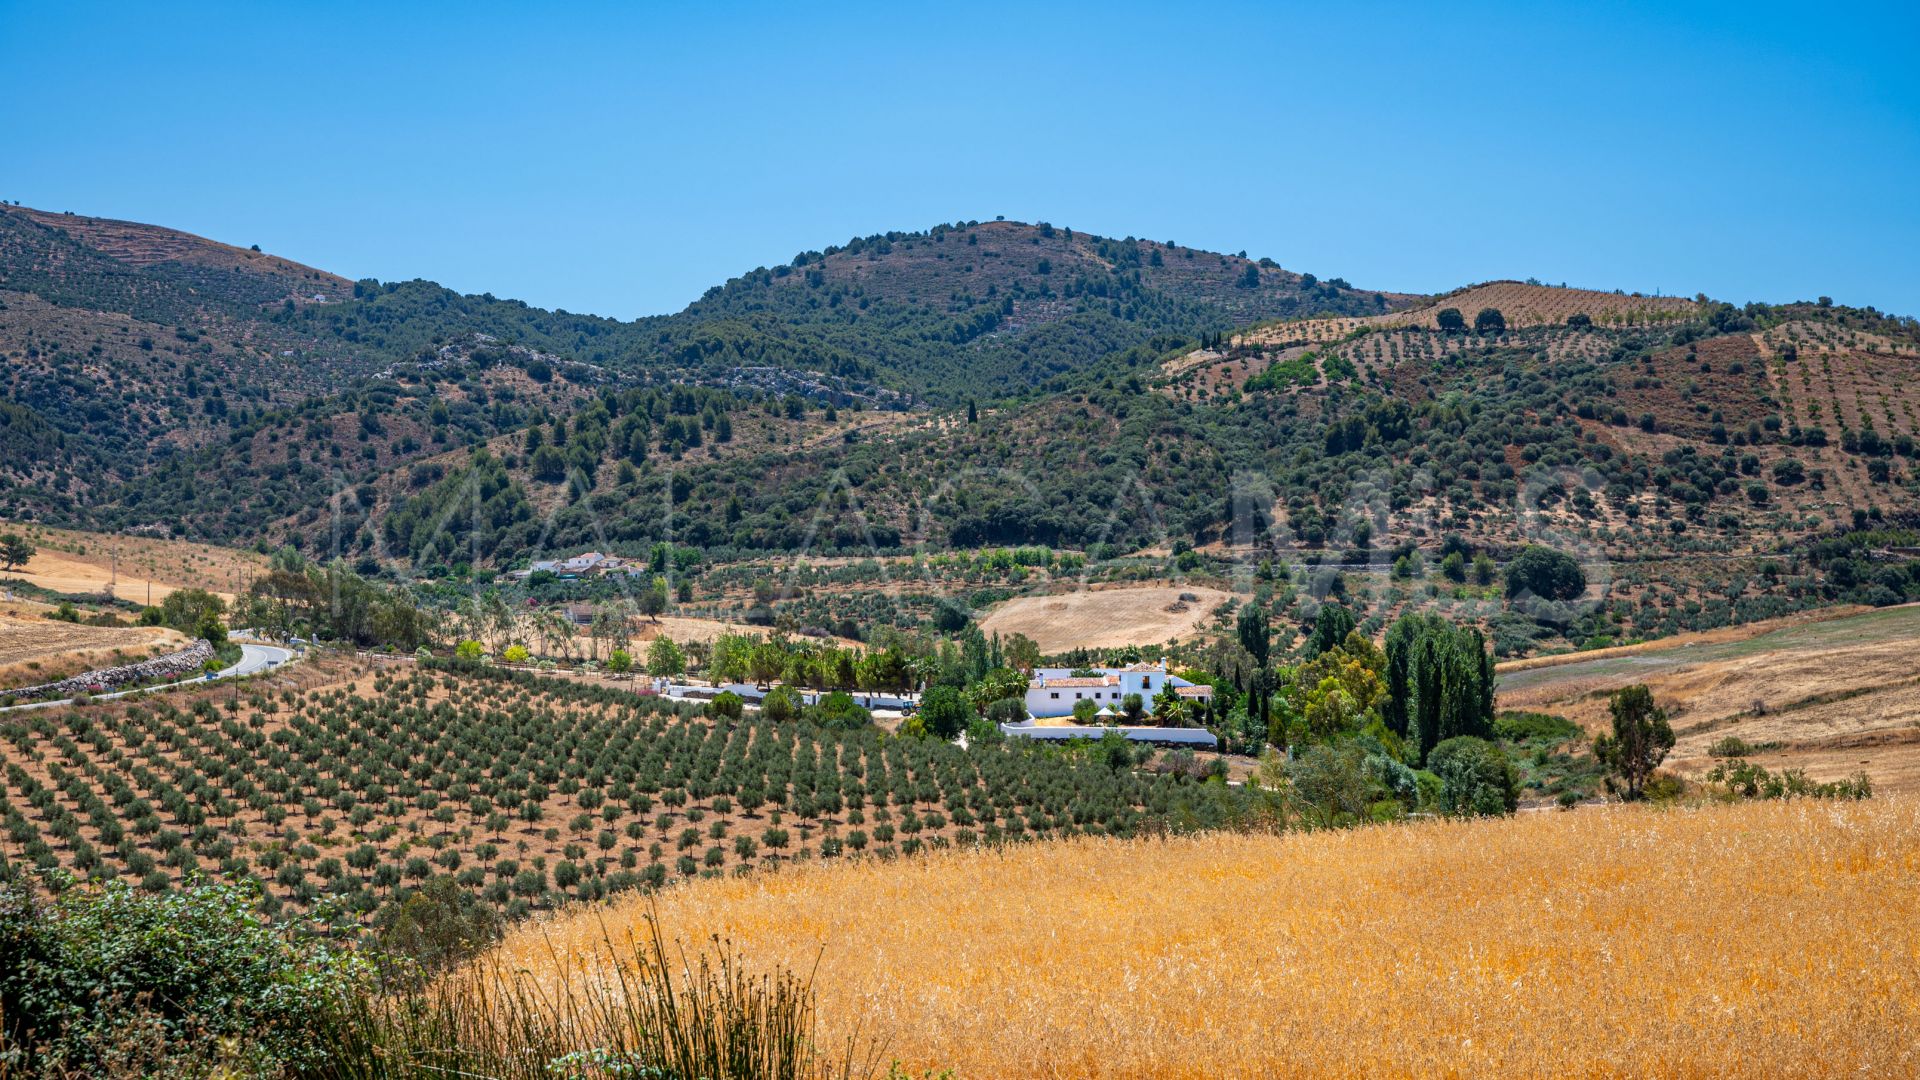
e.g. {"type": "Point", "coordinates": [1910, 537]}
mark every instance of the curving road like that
{"type": "Point", "coordinates": [254, 659]}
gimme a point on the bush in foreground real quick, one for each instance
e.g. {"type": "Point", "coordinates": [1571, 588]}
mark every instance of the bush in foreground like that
{"type": "Point", "coordinates": [110, 982]}
{"type": "Point", "coordinates": [114, 982]}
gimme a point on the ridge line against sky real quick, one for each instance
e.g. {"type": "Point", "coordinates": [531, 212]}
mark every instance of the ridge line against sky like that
{"type": "Point", "coordinates": [620, 160]}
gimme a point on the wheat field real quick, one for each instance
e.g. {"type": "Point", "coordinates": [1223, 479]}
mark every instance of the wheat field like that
{"type": "Point", "coordinates": [1106, 618]}
{"type": "Point", "coordinates": [1769, 939]}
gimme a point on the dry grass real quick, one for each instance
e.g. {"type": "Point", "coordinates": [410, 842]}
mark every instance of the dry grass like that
{"type": "Point", "coordinates": [1520, 303]}
{"type": "Point", "coordinates": [1717, 635]}
{"type": "Point", "coordinates": [1833, 696]}
{"type": "Point", "coordinates": [148, 568]}
{"type": "Point", "coordinates": [1106, 618]}
{"type": "Point", "coordinates": [1770, 938]}
{"type": "Point", "coordinates": [34, 651]}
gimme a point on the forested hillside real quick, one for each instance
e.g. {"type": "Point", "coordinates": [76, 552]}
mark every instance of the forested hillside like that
{"type": "Point", "coordinates": [978, 385]}
{"type": "Point", "coordinates": [142, 357]}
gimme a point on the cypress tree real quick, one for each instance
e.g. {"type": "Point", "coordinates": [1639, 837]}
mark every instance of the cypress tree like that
{"type": "Point", "coordinates": [1439, 682]}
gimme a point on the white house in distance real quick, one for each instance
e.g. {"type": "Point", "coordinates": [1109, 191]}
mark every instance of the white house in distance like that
{"type": "Point", "coordinates": [591, 562]}
{"type": "Point", "coordinates": [1052, 692]}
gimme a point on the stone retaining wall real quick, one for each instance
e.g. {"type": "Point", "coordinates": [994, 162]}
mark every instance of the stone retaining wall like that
{"type": "Point", "coordinates": [172, 665]}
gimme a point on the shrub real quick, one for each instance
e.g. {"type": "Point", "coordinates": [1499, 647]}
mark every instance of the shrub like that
{"type": "Point", "coordinates": [781, 704]}
{"type": "Point", "coordinates": [1475, 777]}
{"type": "Point", "coordinates": [437, 924]}
{"type": "Point", "coordinates": [726, 704]}
{"type": "Point", "coordinates": [1744, 780]}
{"type": "Point", "coordinates": [187, 982]}
{"type": "Point", "coordinates": [1733, 746]}
{"type": "Point", "coordinates": [1331, 782]}
{"type": "Point", "coordinates": [1545, 573]}
{"type": "Point", "coordinates": [839, 711]}
{"type": "Point", "coordinates": [515, 654]}
{"type": "Point", "coordinates": [1522, 726]}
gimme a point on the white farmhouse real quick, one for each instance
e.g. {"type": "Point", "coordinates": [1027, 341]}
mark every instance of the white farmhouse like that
{"type": "Point", "coordinates": [1052, 692]}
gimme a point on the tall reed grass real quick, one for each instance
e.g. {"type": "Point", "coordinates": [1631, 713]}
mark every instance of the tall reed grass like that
{"type": "Point", "coordinates": [638, 1011]}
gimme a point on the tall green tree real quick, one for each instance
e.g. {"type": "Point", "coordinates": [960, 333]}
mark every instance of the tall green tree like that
{"type": "Point", "coordinates": [15, 550]}
{"type": "Point", "coordinates": [1330, 627]}
{"type": "Point", "coordinates": [1640, 740]}
{"type": "Point", "coordinates": [1439, 682]}
{"type": "Point", "coordinates": [664, 658]}
{"type": "Point", "coordinates": [1255, 635]}
{"type": "Point", "coordinates": [945, 712]}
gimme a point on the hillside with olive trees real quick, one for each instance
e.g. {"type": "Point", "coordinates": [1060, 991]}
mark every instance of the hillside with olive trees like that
{"type": "Point", "coordinates": [1147, 408]}
{"type": "Point", "coordinates": [139, 355]}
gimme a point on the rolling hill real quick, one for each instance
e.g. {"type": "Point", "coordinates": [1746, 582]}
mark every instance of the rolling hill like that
{"type": "Point", "coordinates": [137, 351]}
{"type": "Point", "coordinates": [1709, 463]}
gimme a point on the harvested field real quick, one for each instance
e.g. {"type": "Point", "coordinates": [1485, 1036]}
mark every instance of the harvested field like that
{"type": "Point", "coordinates": [1106, 618]}
{"type": "Point", "coordinates": [1621, 941]}
{"type": "Point", "coordinates": [685, 628]}
{"type": "Point", "coordinates": [81, 563]}
{"type": "Point", "coordinates": [1520, 303]}
{"type": "Point", "coordinates": [1832, 696]}
{"type": "Point", "coordinates": [43, 650]}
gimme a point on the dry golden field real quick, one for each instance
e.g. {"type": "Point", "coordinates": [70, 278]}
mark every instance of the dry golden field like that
{"type": "Point", "coordinates": [1520, 303]}
{"type": "Point", "coordinates": [1764, 939]}
{"type": "Point", "coordinates": [35, 651]}
{"type": "Point", "coordinates": [148, 568]}
{"type": "Point", "coordinates": [1106, 618]}
{"type": "Point", "coordinates": [1833, 696]}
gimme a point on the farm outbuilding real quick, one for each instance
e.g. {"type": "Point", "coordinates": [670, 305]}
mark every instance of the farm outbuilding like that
{"type": "Point", "coordinates": [1194, 738]}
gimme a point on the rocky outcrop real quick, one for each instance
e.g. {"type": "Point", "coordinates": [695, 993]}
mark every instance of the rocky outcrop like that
{"type": "Point", "coordinates": [170, 666]}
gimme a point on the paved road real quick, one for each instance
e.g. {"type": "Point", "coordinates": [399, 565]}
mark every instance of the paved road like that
{"type": "Point", "coordinates": [253, 660]}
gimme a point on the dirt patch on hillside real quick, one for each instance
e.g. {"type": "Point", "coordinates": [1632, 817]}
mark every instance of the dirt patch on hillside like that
{"type": "Point", "coordinates": [684, 628]}
{"type": "Point", "coordinates": [1690, 389]}
{"type": "Point", "coordinates": [146, 245]}
{"type": "Point", "coordinates": [1107, 618]}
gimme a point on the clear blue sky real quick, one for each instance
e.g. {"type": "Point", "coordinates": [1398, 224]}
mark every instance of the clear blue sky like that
{"type": "Point", "coordinates": [621, 159]}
